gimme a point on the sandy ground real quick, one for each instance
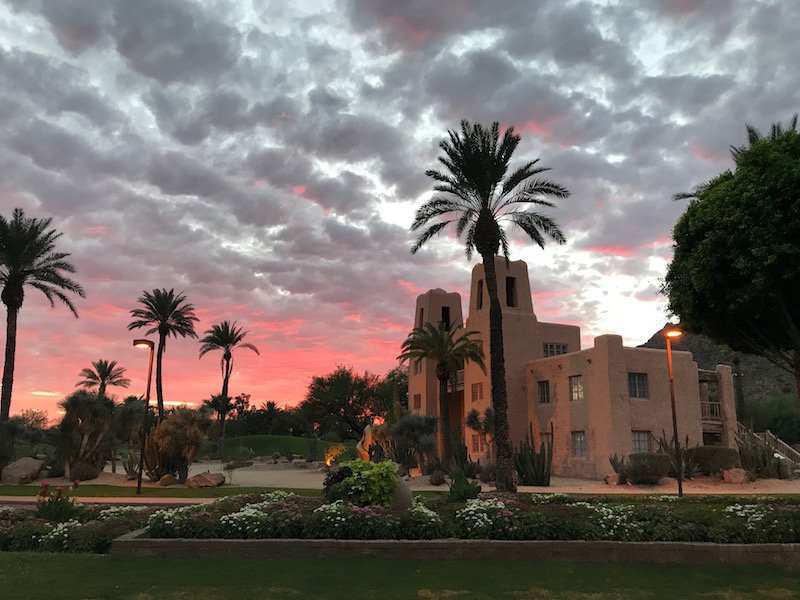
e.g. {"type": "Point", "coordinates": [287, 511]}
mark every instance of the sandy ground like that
{"type": "Point", "coordinates": [263, 474]}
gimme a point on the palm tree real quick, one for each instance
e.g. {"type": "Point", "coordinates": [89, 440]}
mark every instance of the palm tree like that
{"type": "Point", "coordinates": [222, 406]}
{"type": "Point", "coordinates": [227, 337]}
{"type": "Point", "coordinates": [449, 349]}
{"type": "Point", "coordinates": [28, 257]}
{"type": "Point", "coordinates": [101, 374]}
{"type": "Point", "coordinates": [475, 196]}
{"type": "Point", "coordinates": [85, 429]}
{"type": "Point", "coordinates": [168, 314]}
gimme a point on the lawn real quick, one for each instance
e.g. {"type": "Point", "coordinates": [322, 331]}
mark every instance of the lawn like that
{"type": "Point", "coordinates": [42, 576]}
{"type": "Point", "coordinates": [266, 445]}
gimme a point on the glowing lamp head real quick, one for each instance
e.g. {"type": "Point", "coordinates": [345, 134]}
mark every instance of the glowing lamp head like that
{"type": "Point", "coordinates": [143, 344]}
{"type": "Point", "coordinates": [672, 333]}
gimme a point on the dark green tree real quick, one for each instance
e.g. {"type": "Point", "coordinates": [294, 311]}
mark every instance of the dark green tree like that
{"type": "Point", "coordinates": [735, 275]}
{"type": "Point", "coordinates": [167, 314]}
{"type": "Point", "coordinates": [28, 258]}
{"type": "Point", "coordinates": [101, 374]}
{"type": "Point", "coordinates": [475, 194]}
{"type": "Point", "coordinates": [449, 348]}
{"type": "Point", "coordinates": [225, 336]}
{"type": "Point", "coordinates": [343, 402]}
{"type": "Point", "coordinates": [222, 406]}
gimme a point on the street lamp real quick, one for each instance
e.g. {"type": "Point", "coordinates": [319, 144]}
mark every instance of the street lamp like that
{"type": "Point", "coordinates": [150, 345]}
{"type": "Point", "coordinates": [671, 333]}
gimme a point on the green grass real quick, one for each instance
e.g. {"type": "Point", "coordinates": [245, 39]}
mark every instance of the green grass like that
{"type": "Point", "coordinates": [42, 576]}
{"type": "Point", "coordinates": [266, 445]}
{"type": "Point", "coordinates": [112, 491]}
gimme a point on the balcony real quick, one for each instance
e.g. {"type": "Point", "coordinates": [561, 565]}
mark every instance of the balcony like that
{"type": "Point", "coordinates": [711, 411]}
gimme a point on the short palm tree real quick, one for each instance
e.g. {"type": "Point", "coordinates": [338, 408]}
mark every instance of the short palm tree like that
{"type": "Point", "coordinates": [475, 194]}
{"type": "Point", "coordinates": [222, 406]}
{"type": "Point", "coordinates": [168, 314]}
{"type": "Point", "coordinates": [28, 257]}
{"type": "Point", "coordinates": [85, 428]}
{"type": "Point", "coordinates": [225, 336]}
{"type": "Point", "coordinates": [449, 348]}
{"type": "Point", "coordinates": [101, 374]}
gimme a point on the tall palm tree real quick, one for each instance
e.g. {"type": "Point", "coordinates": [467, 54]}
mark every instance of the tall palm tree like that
{"type": "Point", "coordinates": [28, 257]}
{"type": "Point", "coordinates": [449, 348]}
{"type": "Point", "coordinates": [168, 314]}
{"type": "Point", "coordinates": [475, 195]}
{"type": "Point", "coordinates": [101, 374]}
{"type": "Point", "coordinates": [225, 336]}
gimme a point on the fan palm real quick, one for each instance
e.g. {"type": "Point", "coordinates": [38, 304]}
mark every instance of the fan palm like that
{"type": "Point", "coordinates": [28, 257]}
{"type": "Point", "coordinates": [225, 336]}
{"type": "Point", "coordinates": [449, 348]}
{"type": "Point", "coordinates": [102, 374]}
{"type": "Point", "coordinates": [475, 195]}
{"type": "Point", "coordinates": [168, 314]}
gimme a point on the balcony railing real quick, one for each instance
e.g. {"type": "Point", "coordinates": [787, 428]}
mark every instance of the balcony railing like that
{"type": "Point", "coordinates": [711, 411]}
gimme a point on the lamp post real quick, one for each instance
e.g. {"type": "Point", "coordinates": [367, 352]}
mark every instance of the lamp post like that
{"type": "Point", "coordinates": [151, 346]}
{"type": "Point", "coordinates": [671, 333]}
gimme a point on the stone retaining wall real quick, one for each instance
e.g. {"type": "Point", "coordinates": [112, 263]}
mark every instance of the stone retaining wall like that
{"type": "Point", "coordinates": [133, 544]}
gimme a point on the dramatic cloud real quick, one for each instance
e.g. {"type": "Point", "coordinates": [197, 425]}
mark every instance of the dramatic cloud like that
{"type": "Point", "coordinates": [267, 161]}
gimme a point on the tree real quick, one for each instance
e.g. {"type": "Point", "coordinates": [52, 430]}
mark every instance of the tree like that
{"type": "Point", "coordinates": [344, 402]}
{"type": "Point", "coordinates": [221, 406]}
{"type": "Point", "coordinates": [101, 374]}
{"type": "Point", "coordinates": [484, 427]}
{"type": "Point", "coordinates": [735, 274]}
{"type": "Point", "coordinates": [225, 336]}
{"type": "Point", "coordinates": [449, 348]}
{"type": "Point", "coordinates": [168, 314]}
{"type": "Point", "coordinates": [28, 258]}
{"type": "Point", "coordinates": [475, 196]}
{"type": "Point", "coordinates": [85, 428]}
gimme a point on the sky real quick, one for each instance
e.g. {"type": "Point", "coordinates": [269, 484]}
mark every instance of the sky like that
{"type": "Point", "coordinates": [266, 159]}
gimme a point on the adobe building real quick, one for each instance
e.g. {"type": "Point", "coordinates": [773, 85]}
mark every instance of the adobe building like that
{"type": "Point", "coordinates": [600, 401]}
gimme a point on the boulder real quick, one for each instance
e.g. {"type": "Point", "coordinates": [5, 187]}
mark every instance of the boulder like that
{"type": "Point", "coordinates": [611, 479]}
{"type": "Point", "coordinates": [166, 480]}
{"type": "Point", "coordinates": [24, 470]}
{"type": "Point", "coordinates": [402, 496]}
{"type": "Point", "coordinates": [734, 476]}
{"type": "Point", "coordinates": [205, 480]}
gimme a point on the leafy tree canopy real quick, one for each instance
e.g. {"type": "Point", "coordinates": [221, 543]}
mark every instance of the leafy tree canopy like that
{"type": "Point", "coordinates": [735, 276]}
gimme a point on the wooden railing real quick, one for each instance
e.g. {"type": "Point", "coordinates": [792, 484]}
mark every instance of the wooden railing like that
{"type": "Point", "coordinates": [711, 411]}
{"type": "Point", "coordinates": [777, 444]}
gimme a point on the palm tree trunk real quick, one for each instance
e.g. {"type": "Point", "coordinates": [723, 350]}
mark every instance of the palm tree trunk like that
{"type": "Point", "coordinates": [444, 422]}
{"type": "Point", "coordinates": [101, 390]}
{"type": "Point", "coordinates": [497, 366]}
{"type": "Point", "coordinates": [159, 384]}
{"type": "Point", "coordinates": [226, 377]}
{"type": "Point", "coordinates": [8, 366]}
{"type": "Point", "coordinates": [222, 435]}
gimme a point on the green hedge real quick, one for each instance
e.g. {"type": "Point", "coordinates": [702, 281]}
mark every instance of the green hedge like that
{"type": "Point", "coordinates": [647, 468]}
{"type": "Point", "coordinates": [711, 460]}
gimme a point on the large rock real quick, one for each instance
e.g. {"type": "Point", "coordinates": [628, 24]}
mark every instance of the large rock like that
{"type": "Point", "coordinates": [734, 476]}
{"type": "Point", "coordinates": [205, 480]}
{"type": "Point", "coordinates": [167, 480]}
{"type": "Point", "coordinates": [24, 470]}
{"type": "Point", "coordinates": [402, 496]}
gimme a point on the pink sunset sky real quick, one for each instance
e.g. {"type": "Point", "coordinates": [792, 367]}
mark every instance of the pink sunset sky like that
{"type": "Point", "coordinates": [267, 162]}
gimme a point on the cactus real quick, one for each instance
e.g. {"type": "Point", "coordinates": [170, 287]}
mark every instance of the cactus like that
{"type": "Point", "coordinates": [534, 467]}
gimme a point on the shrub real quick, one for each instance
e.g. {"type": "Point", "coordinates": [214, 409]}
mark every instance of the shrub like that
{"type": "Point", "coordinates": [477, 519]}
{"type": "Point", "coordinates": [488, 473]}
{"type": "Point", "coordinates": [462, 489]}
{"type": "Point", "coordinates": [25, 535]}
{"type": "Point", "coordinates": [57, 505]}
{"type": "Point", "coordinates": [710, 460]}
{"type": "Point", "coordinates": [173, 444]}
{"type": "Point", "coordinates": [278, 519]}
{"type": "Point", "coordinates": [371, 483]}
{"type": "Point", "coordinates": [534, 467]}
{"type": "Point", "coordinates": [759, 460]}
{"type": "Point", "coordinates": [333, 488]}
{"type": "Point", "coordinates": [647, 468]}
{"type": "Point", "coordinates": [344, 521]}
{"type": "Point", "coordinates": [420, 523]}
{"type": "Point", "coordinates": [184, 522]}
{"type": "Point", "coordinates": [561, 523]}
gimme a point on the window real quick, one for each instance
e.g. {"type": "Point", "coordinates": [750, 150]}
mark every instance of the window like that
{"type": "Point", "coordinates": [478, 443]}
{"type": "Point", "coordinates": [579, 444]}
{"type": "Point", "coordinates": [640, 441]}
{"type": "Point", "coordinates": [546, 438]}
{"type": "Point", "coordinates": [637, 385]}
{"type": "Point", "coordinates": [576, 387]}
{"type": "Point", "coordinates": [551, 349]}
{"type": "Point", "coordinates": [421, 317]}
{"type": "Point", "coordinates": [479, 301]}
{"type": "Point", "coordinates": [417, 367]}
{"type": "Point", "coordinates": [417, 401]}
{"type": "Point", "coordinates": [544, 392]}
{"type": "Point", "coordinates": [511, 291]}
{"type": "Point", "coordinates": [446, 316]}
{"type": "Point", "coordinates": [477, 392]}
